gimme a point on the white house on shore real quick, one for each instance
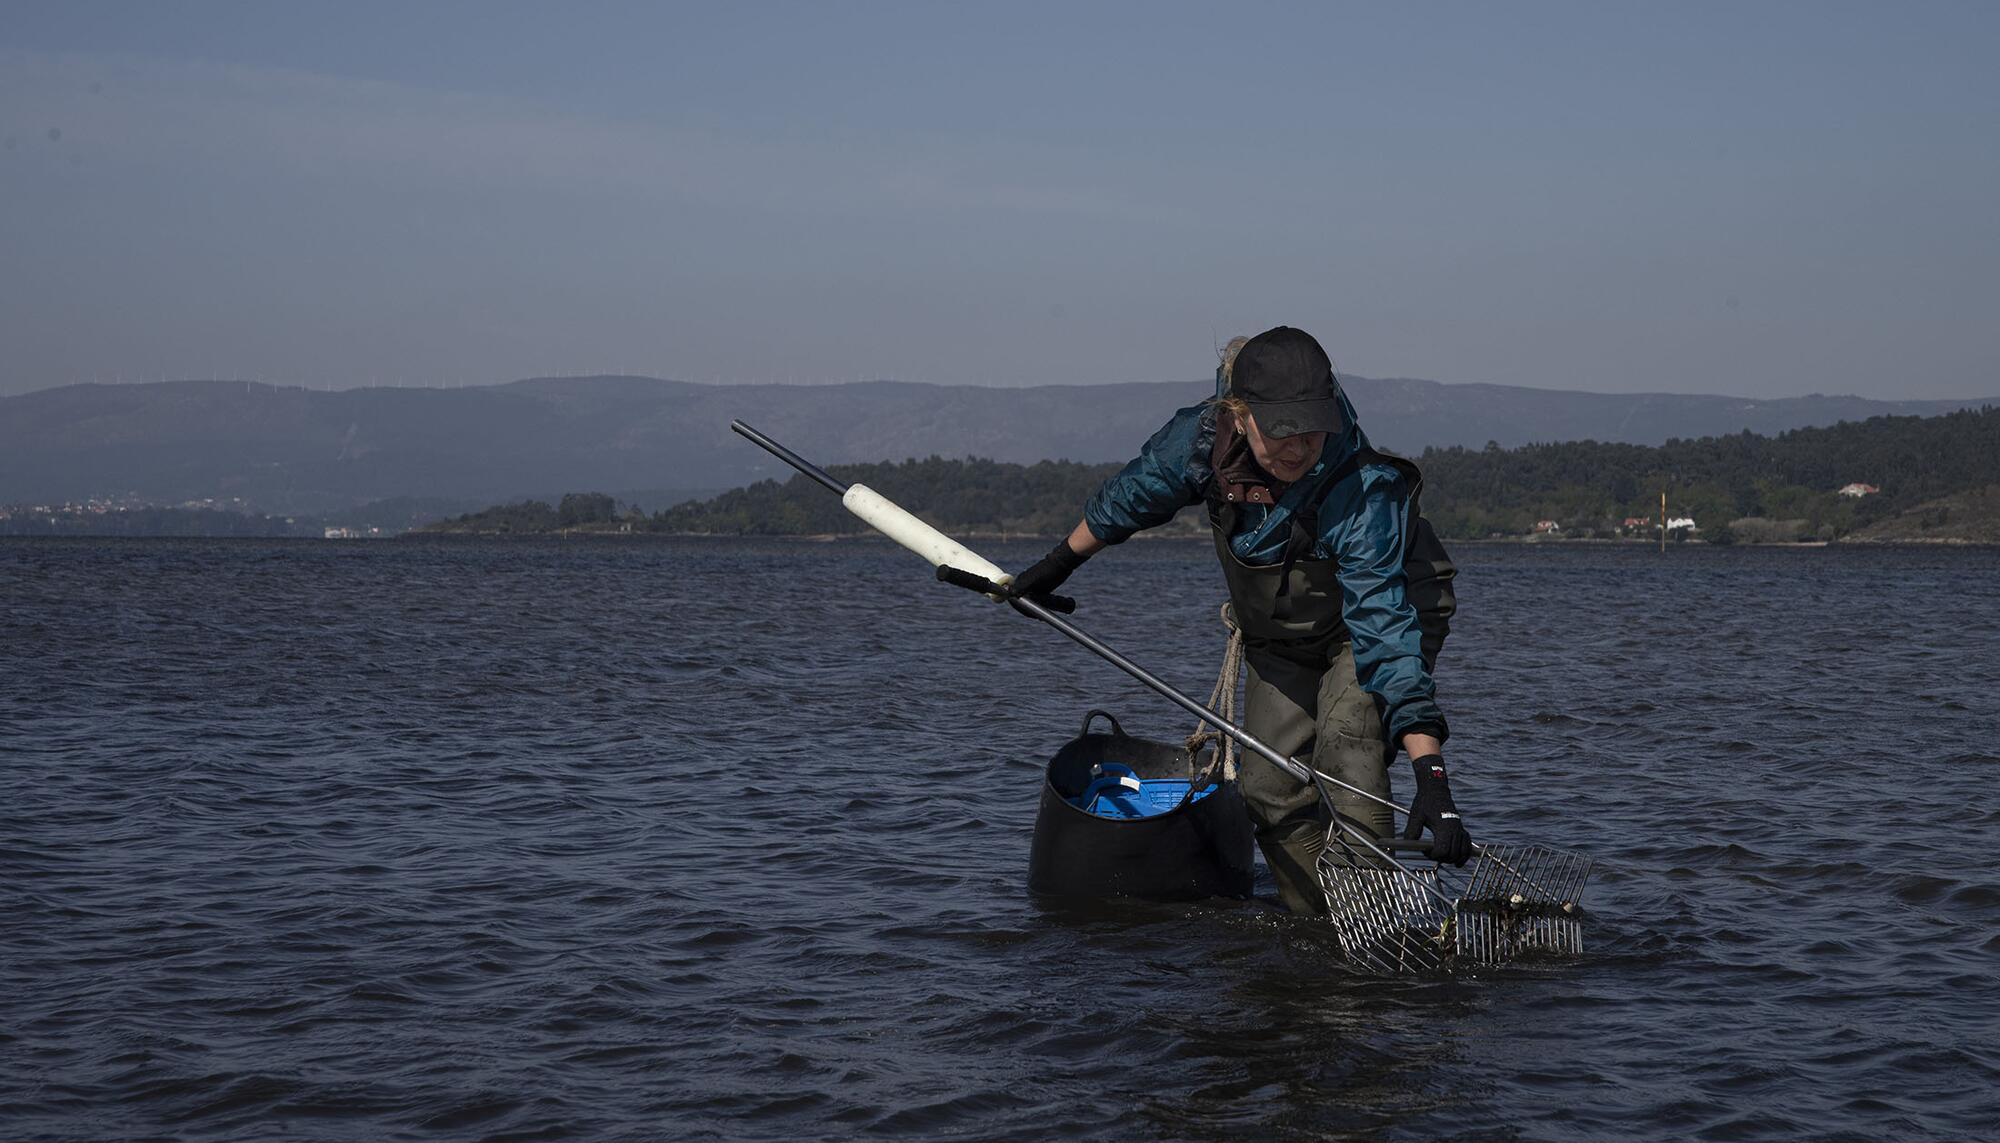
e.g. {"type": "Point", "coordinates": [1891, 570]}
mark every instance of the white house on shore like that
{"type": "Point", "coordinates": [1857, 490]}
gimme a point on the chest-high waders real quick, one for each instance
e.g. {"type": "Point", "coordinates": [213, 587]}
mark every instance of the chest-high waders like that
{"type": "Point", "coordinates": [1303, 698]}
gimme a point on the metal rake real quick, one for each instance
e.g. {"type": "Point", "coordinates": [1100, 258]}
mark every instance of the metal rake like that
{"type": "Point", "coordinates": [1510, 901]}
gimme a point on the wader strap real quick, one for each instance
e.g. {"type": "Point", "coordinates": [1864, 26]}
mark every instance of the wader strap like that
{"type": "Point", "coordinates": [1300, 543]}
{"type": "Point", "coordinates": [1305, 532]}
{"type": "Point", "coordinates": [1222, 516]}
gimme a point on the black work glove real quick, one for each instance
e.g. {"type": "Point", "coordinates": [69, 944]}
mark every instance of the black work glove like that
{"type": "Point", "coordinates": [1049, 574]}
{"type": "Point", "coordinates": [1433, 810]}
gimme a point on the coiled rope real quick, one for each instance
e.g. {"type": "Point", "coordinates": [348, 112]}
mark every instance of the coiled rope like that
{"type": "Point", "coordinates": [1222, 700]}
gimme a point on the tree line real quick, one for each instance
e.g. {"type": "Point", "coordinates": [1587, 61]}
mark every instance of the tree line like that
{"type": "Point", "coordinates": [1727, 484]}
{"type": "Point", "coordinates": [576, 511]}
{"type": "Point", "coordinates": [1591, 487]}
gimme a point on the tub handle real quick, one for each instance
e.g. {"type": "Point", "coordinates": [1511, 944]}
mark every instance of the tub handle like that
{"type": "Point", "coordinates": [1108, 717]}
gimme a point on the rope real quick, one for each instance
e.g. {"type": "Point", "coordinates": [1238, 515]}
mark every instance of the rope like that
{"type": "Point", "coordinates": [1222, 700]}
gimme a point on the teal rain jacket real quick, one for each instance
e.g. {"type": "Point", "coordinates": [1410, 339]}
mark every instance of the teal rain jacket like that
{"type": "Point", "coordinates": [1364, 523]}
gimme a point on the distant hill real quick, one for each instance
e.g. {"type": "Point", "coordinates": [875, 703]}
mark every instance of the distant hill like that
{"type": "Point", "coordinates": [297, 451]}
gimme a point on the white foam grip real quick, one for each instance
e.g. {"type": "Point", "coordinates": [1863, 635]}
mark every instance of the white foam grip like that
{"type": "Point", "coordinates": [887, 517]}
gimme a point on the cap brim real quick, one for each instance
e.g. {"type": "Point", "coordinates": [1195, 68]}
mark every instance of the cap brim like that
{"type": "Point", "coordinates": [1290, 418]}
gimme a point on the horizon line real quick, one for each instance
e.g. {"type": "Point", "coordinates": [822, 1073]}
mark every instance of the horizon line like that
{"type": "Point", "coordinates": [448, 385]}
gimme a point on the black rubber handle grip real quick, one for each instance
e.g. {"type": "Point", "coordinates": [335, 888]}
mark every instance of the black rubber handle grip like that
{"type": "Point", "coordinates": [957, 577]}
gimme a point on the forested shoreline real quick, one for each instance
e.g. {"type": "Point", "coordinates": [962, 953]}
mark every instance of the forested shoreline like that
{"type": "Point", "coordinates": [1943, 473]}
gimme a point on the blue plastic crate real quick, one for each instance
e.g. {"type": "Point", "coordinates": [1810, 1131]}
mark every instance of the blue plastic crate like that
{"type": "Point", "coordinates": [1118, 792]}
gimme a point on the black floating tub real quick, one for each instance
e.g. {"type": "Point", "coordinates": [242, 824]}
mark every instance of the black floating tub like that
{"type": "Point", "coordinates": [1128, 817]}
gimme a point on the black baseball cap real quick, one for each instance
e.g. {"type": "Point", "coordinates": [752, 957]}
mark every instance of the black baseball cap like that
{"type": "Point", "coordinates": [1287, 380]}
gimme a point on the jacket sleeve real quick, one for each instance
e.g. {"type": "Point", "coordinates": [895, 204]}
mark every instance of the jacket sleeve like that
{"type": "Point", "coordinates": [1388, 643]}
{"type": "Point", "coordinates": [1164, 478]}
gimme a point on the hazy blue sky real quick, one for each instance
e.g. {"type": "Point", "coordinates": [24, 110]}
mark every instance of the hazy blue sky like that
{"type": "Point", "coordinates": [1757, 198]}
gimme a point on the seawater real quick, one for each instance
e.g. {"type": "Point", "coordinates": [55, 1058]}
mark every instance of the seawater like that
{"type": "Point", "coordinates": [728, 839]}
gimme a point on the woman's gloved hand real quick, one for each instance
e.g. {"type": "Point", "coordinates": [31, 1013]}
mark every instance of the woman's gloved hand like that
{"type": "Point", "coordinates": [1049, 574]}
{"type": "Point", "coordinates": [1433, 810]}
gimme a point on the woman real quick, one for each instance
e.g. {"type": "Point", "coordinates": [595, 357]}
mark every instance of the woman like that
{"type": "Point", "coordinates": [1313, 528]}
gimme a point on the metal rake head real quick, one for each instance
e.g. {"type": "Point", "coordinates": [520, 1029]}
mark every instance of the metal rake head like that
{"type": "Point", "coordinates": [1522, 899]}
{"type": "Point", "coordinates": [1393, 918]}
{"type": "Point", "coordinates": [1386, 920]}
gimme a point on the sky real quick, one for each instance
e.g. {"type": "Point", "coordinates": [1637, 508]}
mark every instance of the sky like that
{"type": "Point", "coordinates": [1765, 199]}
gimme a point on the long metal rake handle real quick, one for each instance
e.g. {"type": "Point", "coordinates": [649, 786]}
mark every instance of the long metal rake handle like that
{"type": "Point", "coordinates": [959, 578]}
